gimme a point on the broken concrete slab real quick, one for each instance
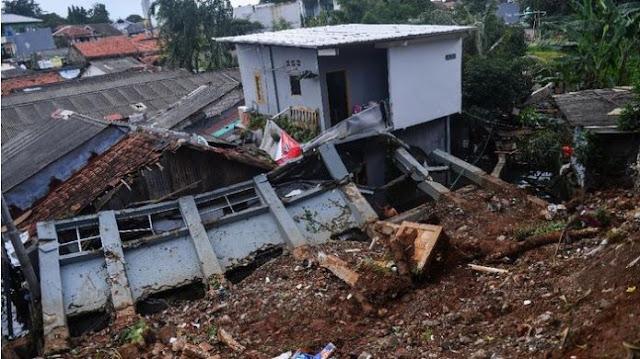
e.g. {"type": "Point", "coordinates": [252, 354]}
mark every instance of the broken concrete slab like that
{"type": "Point", "coordinates": [339, 268]}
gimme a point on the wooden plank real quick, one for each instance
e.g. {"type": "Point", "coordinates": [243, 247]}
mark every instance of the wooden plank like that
{"type": "Point", "coordinates": [426, 239]}
{"type": "Point", "coordinates": [339, 268]}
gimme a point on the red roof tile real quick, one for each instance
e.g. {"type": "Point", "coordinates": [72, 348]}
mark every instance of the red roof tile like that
{"type": "Point", "coordinates": [105, 171]}
{"type": "Point", "coordinates": [146, 44]}
{"type": "Point", "coordinates": [17, 83]}
{"type": "Point", "coordinates": [108, 47]}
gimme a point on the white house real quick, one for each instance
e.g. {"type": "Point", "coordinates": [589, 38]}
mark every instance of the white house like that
{"type": "Point", "coordinates": [335, 69]}
{"type": "Point", "coordinates": [271, 13]}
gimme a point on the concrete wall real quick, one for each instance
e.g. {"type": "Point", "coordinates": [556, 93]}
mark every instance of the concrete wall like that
{"type": "Point", "coordinates": [428, 136]}
{"type": "Point", "coordinates": [423, 84]}
{"type": "Point", "coordinates": [255, 60]}
{"type": "Point", "coordinates": [268, 14]}
{"type": "Point", "coordinates": [366, 69]}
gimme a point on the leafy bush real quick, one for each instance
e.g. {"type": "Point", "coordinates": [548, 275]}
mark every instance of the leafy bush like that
{"type": "Point", "coordinates": [542, 149]}
{"type": "Point", "coordinates": [529, 117]}
{"type": "Point", "coordinates": [629, 119]}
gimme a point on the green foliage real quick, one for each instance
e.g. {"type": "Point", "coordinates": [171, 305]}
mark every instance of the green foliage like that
{"type": "Point", "coordinates": [186, 29]}
{"type": "Point", "coordinates": [381, 11]}
{"type": "Point", "coordinates": [629, 119]}
{"type": "Point", "coordinates": [606, 44]}
{"type": "Point", "coordinates": [523, 233]}
{"type": "Point", "coordinates": [300, 134]}
{"type": "Point", "coordinates": [134, 18]}
{"type": "Point", "coordinates": [134, 333]}
{"type": "Point", "coordinates": [77, 15]}
{"type": "Point", "coordinates": [492, 85]}
{"type": "Point", "coordinates": [529, 117]}
{"type": "Point", "coordinates": [99, 14]}
{"type": "Point", "coordinates": [52, 20]}
{"type": "Point", "coordinates": [542, 149]}
{"type": "Point", "coordinates": [243, 26]}
{"type": "Point", "coordinates": [281, 24]}
{"type": "Point", "coordinates": [22, 7]}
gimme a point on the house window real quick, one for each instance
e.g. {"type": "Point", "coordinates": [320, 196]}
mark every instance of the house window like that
{"type": "Point", "coordinates": [258, 82]}
{"type": "Point", "coordinates": [294, 80]}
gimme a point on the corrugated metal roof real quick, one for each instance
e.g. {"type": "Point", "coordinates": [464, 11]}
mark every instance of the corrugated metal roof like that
{"type": "Point", "coordinates": [590, 107]}
{"type": "Point", "coordinates": [32, 150]}
{"type": "Point", "coordinates": [99, 96]}
{"type": "Point", "coordinates": [16, 19]}
{"type": "Point", "coordinates": [109, 66]}
{"type": "Point", "coordinates": [327, 36]}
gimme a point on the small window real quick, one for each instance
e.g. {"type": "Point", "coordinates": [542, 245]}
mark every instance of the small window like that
{"type": "Point", "coordinates": [295, 85]}
{"type": "Point", "coordinates": [450, 57]}
{"type": "Point", "coordinates": [258, 82]}
{"type": "Point", "coordinates": [297, 62]}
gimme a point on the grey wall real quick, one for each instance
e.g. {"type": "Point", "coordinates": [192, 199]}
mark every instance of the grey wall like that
{"type": "Point", "coordinates": [428, 136]}
{"type": "Point", "coordinates": [423, 84]}
{"type": "Point", "coordinates": [366, 69]}
{"type": "Point", "coordinates": [33, 41]}
{"type": "Point", "coordinates": [254, 59]}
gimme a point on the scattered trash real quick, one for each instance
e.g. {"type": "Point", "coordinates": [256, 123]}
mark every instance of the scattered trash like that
{"type": "Point", "coordinates": [527, 302]}
{"type": "Point", "coordinates": [485, 269]}
{"type": "Point", "coordinates": [631, 289]}
{"type": "Point", "coordinates": [285, 355]}
{"type": "Point", "coordinates": [325, 353]}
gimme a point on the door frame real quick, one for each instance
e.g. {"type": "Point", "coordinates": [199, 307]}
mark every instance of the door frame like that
{"type": "Point", "coordinates": [347, 90]}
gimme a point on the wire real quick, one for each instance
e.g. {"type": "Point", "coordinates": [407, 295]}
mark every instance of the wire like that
{"type": "Point", "coordinates": [484, 148]}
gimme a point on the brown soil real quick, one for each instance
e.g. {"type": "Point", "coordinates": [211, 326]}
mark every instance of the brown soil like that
{"type": "Point", "coordinates": [452, 313]}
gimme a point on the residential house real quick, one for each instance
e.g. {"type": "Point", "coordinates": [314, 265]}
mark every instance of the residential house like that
{"type": "Point", "coordinates": [112, 47]}
{"type": "Point", "coordinates": [121, 95]}
{"type": "Point", "coordinates": [338, 70]}
{"type": "Point", "coordinates": [28, 43]}
{"type": "Point", "coordinates": [104, 29]}
{"type": "Point", "coordinates": [30, 79]}
{"type": "Point", "coordinates": [597, 112]}
{"type": "Point", "coordinates": [270, 14]}
{"type": "Point", "coordinates": [66, 35]}
{"type": "Point", "coordinates": [13, 25]}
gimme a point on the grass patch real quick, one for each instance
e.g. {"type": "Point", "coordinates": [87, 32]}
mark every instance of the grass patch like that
{"type": "Point", "coordinates": [523, 232]}
{"type": "Point", "coordinates": [134, 333]}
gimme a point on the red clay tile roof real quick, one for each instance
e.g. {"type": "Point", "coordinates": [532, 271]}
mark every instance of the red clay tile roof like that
{"type": "Point", "coordinates": [101, 173]}
{"type": "Point", "coordinates": [105, 171]}
{"type": "Point", "coordinates": [146, 44]}
{"type": "Point", "coordinates": [34, 80]}
{"type": "Point", "coordinates": [73, 31]}
{"type": "Point", "coordinates": [108, 47]}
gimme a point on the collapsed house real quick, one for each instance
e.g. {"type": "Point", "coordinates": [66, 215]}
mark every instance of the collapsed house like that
{"type": "Point", "coordinates": [113, 260]}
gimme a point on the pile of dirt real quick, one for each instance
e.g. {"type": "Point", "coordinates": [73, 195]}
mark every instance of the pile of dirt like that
{"type": "Point", "coordinates": [572, 299]}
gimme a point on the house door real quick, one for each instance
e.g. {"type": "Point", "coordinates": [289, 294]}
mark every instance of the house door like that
{"type": "Point", "coordinates": [337, 95]}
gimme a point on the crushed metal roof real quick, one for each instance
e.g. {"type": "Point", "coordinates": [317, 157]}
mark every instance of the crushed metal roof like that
{"type": "Point", "coordinates": [99, 96]}
{"type": "Point", "coordinates": [17, 19]}
{"type": "Point", "coordinates": [327, 36]}
{"type": "Point", "coordinates": [127, 157]}
{"type": "Point", "coordinates": [30, 151]}
{"type": "Point", "coordinates": [589, 108]}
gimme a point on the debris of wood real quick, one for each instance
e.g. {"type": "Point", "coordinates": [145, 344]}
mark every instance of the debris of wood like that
{"type": "Point", "coordinates": [486, 269]}
{"type": "Point", "coordinates": [228, 340]}
{"type": "Point", "coordinates": [339, 268]}
{"type": "Point", "coordinates": [424, 239]}
{"type": "Point", "coordinates": [633, 262]}
{"type": "Point", "coordinates": [194, 351]}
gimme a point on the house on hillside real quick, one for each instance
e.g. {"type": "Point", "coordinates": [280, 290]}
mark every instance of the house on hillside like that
{"type": "Point", "coordinates": [338, 70]}
{"type": "Point", "coordinates": [114, 46]}
{"type": "Point", "coordinates": [596, 112]}
{"type": "Point", "coordinates": [65, 35]}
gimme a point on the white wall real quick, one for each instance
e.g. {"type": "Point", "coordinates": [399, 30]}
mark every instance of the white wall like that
{"type": "Point", "coordinates": [268, 14]}
{"type": "Point", "coordinates": [255, 59]}
{"type": "Point", "coordinates": [423, 85]}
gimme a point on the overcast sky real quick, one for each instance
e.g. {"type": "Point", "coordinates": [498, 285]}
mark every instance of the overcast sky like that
{"type": "Point", "coordinates": [117, 8]}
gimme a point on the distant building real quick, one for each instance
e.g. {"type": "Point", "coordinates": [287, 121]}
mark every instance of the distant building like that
{"type": "Point", "coordinates": [31, 42]}
{"type": "Point", "coordinates": [270, 14]}
{"type": "Point", "coordinates": [13, 25]}
{"type": "Point", "coordinates": [312, 8]}
{"type": "Point", "coordinates": [509, 11]}
{"type": "Point", "coordinates": [71, 34]}
{"type": "Point", "coordinates": [113, 47]}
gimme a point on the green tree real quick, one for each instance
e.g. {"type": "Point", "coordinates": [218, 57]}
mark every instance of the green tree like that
{"type": "Point", "coordinates": [134, 18]}
{"type": "Point", "coordinates": [187, 28]}
{"type": "Point", "coordinates": [52, 20]}
{"type": "Point", "coordinates": [281, 24]}
{"type": "Point", "coordinates": [22, 7]}
{"type": "Point", "coordinates": [77, 15]}
{"type": "Point", "coordinates": [243, 26]}
{"type": "Point", "coordinates": [99, 14]}
{"type": "Point", "coordinates": [606, 44]}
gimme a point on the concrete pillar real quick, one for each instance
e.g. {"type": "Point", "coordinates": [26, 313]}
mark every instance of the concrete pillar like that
{"type": "Point", "coordinates": [286, 225]}
{"type": "Point", "coordinates": [419, 174]}
{"type": "Point", "coordinates": [121, 297]}
{"type": "Point", "coordinates": [54, 320]}
{"type": "Point", "coordinates": [209, 263]}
